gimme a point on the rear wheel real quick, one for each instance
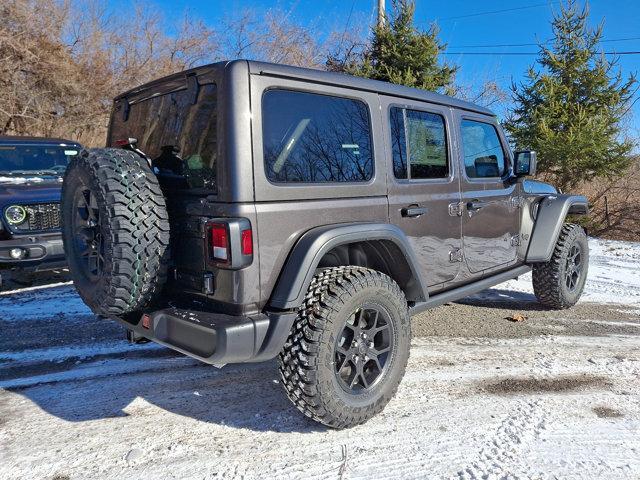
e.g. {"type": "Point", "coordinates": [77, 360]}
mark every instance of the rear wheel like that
{"type": "Point", "coordinates": [349, 346]}
{"type": "Point", "coordinates": [559, 283]}
{"type": "Point", "coordinates": [115, 230]}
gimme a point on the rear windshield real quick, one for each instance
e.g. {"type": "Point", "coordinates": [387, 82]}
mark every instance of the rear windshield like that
{"type": "Point", "coordinates": [35, 160]}
{"type": "Point", "coordinates": [178, 131]}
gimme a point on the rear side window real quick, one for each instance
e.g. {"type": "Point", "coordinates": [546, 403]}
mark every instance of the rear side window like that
{"type": "Point", "coordinates": [419, 146]}
{"type": "Point", "coordinates": [483, 153]}
{"type": "Point", "coordinates": [313, 138]}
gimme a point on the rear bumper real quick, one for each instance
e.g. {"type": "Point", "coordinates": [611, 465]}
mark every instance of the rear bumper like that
{"type": "Point", "coordinates": [42, 252]}
{"type": "Point", "coordinates": [215, 338]}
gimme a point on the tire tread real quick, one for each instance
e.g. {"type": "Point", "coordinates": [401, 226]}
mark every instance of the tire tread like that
{"type": "Point", "coordinates": [137, 225]}
{"type": "Point", "coordinates": [299, 359]}
{"type": "Point", "coordinates": [547, 276]}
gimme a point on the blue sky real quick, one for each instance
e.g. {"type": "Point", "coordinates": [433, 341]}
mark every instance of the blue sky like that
{"type": "Point", "coordinates": [528, 21]}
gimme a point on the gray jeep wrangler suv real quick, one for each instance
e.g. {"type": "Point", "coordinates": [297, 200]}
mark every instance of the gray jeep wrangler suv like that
{"type": "Point", "coordinates": [243, 211]}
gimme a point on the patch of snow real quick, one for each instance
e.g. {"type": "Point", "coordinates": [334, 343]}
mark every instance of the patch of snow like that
{"type": "Point", "coordinates": [42, 302]}
{"type": "Point", "coordinates": [614, 276]}
{"type": "Point", "coordinates": [48, 286]}
{"type": "Point", "coordinates": [99, 369]}
{"type": "Point", "coordinates": [82, 351]}
{"type": "Point", "coordinates": [152, 416]}
{"type": "Point", "coordinates": [144, 419]}
{"type": "Point", "coordinates": [23, 180]}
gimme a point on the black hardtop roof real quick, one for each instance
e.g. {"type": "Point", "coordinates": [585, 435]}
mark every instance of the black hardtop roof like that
{"type": "Point", "coordinates": [20, 140]}
{"type": "Point", "coordinates": [310, 75]}
{"type": "Point", "coordinates": [359, 83]}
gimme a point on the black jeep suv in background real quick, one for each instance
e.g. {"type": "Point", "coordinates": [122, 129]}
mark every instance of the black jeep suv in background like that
{"type": "Point", "coordinates": [245, 210]}
{"type": "Point", "coordinates": [31, 171]}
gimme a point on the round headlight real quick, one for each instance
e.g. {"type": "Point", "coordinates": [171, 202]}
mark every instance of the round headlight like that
{"type": "Point", "coordinates": [15, 214]}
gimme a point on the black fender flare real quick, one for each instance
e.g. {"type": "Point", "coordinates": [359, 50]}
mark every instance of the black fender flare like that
{"type": "Point", "coordinates": [552, 212]}
{"type": "Point", "coordinates": [306, 254]}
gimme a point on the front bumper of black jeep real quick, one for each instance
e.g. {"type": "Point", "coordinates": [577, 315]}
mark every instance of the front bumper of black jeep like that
{"type": "Point", "coordinates": [215, 338]}
{"type": "Point", "coordinates": [38, 252]}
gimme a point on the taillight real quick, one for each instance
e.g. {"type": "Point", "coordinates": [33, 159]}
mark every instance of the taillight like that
{"type": "Point", "coordinates": [246, 242]}
{"type": "Point", "coordinates": [126, 142]}
{"type": "Point", "coordinates": [219, 237]}
{"type": "Point", "coordinates": [229, 242]}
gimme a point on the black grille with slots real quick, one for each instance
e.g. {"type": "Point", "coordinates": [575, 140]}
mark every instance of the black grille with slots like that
{"type": "Point", "coordinates": [40, 217]}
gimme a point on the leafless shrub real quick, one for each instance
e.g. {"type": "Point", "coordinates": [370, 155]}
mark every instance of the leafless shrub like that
{"type": "Point", "coordinates": [614, 212]}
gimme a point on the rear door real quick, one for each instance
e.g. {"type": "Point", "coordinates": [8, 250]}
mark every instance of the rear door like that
{"type": "Point", "coordinates": [423, 184]}
{"type": "Point", "coordinates": [491, 221]}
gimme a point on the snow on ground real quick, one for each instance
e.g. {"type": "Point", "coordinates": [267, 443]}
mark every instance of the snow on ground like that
{"type": "Point", "coordinates": [22, 180]}
{"type": "Point", "coordinates": [19, 305]}
{"type": "Point", "coordinates": [76, 401]}
{"type": "Point", "coordinates": [614, 275]}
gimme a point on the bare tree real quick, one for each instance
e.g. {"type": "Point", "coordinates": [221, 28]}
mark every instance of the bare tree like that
{"type": "Point", "coordinates": [273, 37]}
{"type": "Point", "coordinates": [62, 61]}
{"type": "Point", "coordinates": [487, 93]}
{"type": "Point", "coordinates": [38, 79]}
{"type": "Point", "coordinates": [115, 54]}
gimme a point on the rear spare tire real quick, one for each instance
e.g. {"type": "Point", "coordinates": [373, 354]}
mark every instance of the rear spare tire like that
{"type": "Point", "coordinates": [115, 230]}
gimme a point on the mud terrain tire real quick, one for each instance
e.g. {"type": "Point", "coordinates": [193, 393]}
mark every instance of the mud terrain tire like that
{"type": "Point", "coordinates": [115, 231]}
{"type": "Point", "coordinates": [310, 359]}
{"type": "Point", "coordinates": [559, 283]}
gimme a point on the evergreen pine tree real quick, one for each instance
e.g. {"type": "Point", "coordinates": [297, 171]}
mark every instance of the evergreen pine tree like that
{"type": "Point", "coordinates": [570, 110]}
{"type": "Point", "coordinates": [400, 53]}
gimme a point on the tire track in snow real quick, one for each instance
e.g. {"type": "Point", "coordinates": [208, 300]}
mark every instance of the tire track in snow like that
{"type": "Point", "coordinates": [519, 429]}
{"type": "Point", "coordinates": [500, 454]}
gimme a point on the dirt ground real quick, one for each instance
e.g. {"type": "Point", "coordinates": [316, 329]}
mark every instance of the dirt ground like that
{"type": "Point", "coordinates": [494, 319]}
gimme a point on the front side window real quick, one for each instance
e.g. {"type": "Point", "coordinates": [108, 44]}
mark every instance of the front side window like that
{"type": "Point", "coordinates": [418, 139]}
{"type": "Point", "coordinates": [483, 153]}
{"type": "Point", "coordinates": [313, 138]}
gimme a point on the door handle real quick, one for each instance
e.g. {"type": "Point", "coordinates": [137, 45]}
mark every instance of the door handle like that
{"type": "Point", "coordinates": [475, 205]}
{"type": "Point", "coordinates": [413, 211]}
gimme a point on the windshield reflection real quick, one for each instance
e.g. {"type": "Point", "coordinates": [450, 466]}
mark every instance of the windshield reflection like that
{"type": "Point", "coordinates": [35, 160]}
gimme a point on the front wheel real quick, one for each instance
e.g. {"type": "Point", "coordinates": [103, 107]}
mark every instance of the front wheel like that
{"type": "Point", "coordinates": [348, 348]}
{"type": "Point", "coordinates": [559, 283]}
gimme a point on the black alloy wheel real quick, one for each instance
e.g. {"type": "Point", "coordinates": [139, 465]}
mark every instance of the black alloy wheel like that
{"type": "Point", "coordinates": [573, 267]}
{"type": "Point", "coordinates": [363, 349]}
{"type": "Point", "coordinates": [88, 233]}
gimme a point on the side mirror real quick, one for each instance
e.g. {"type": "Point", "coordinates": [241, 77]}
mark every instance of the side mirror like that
{"type": "Point", "coordinates": [524, 164]}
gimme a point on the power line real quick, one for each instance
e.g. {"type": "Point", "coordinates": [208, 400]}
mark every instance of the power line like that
{"type": "Point", "coordinates": [528, 53]}
{"type": "Point", "coordinates": [478, 14]}
{"type": "Point", "coordinates": [500, 45]}
{"type": "Point", "coordinates": [536, 44]}
{"type": "Point", "coordinates": [346, 26]}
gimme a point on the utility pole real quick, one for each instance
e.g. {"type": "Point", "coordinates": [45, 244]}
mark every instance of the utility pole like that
{"type": "Point", "coordinates": [381, 13]}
